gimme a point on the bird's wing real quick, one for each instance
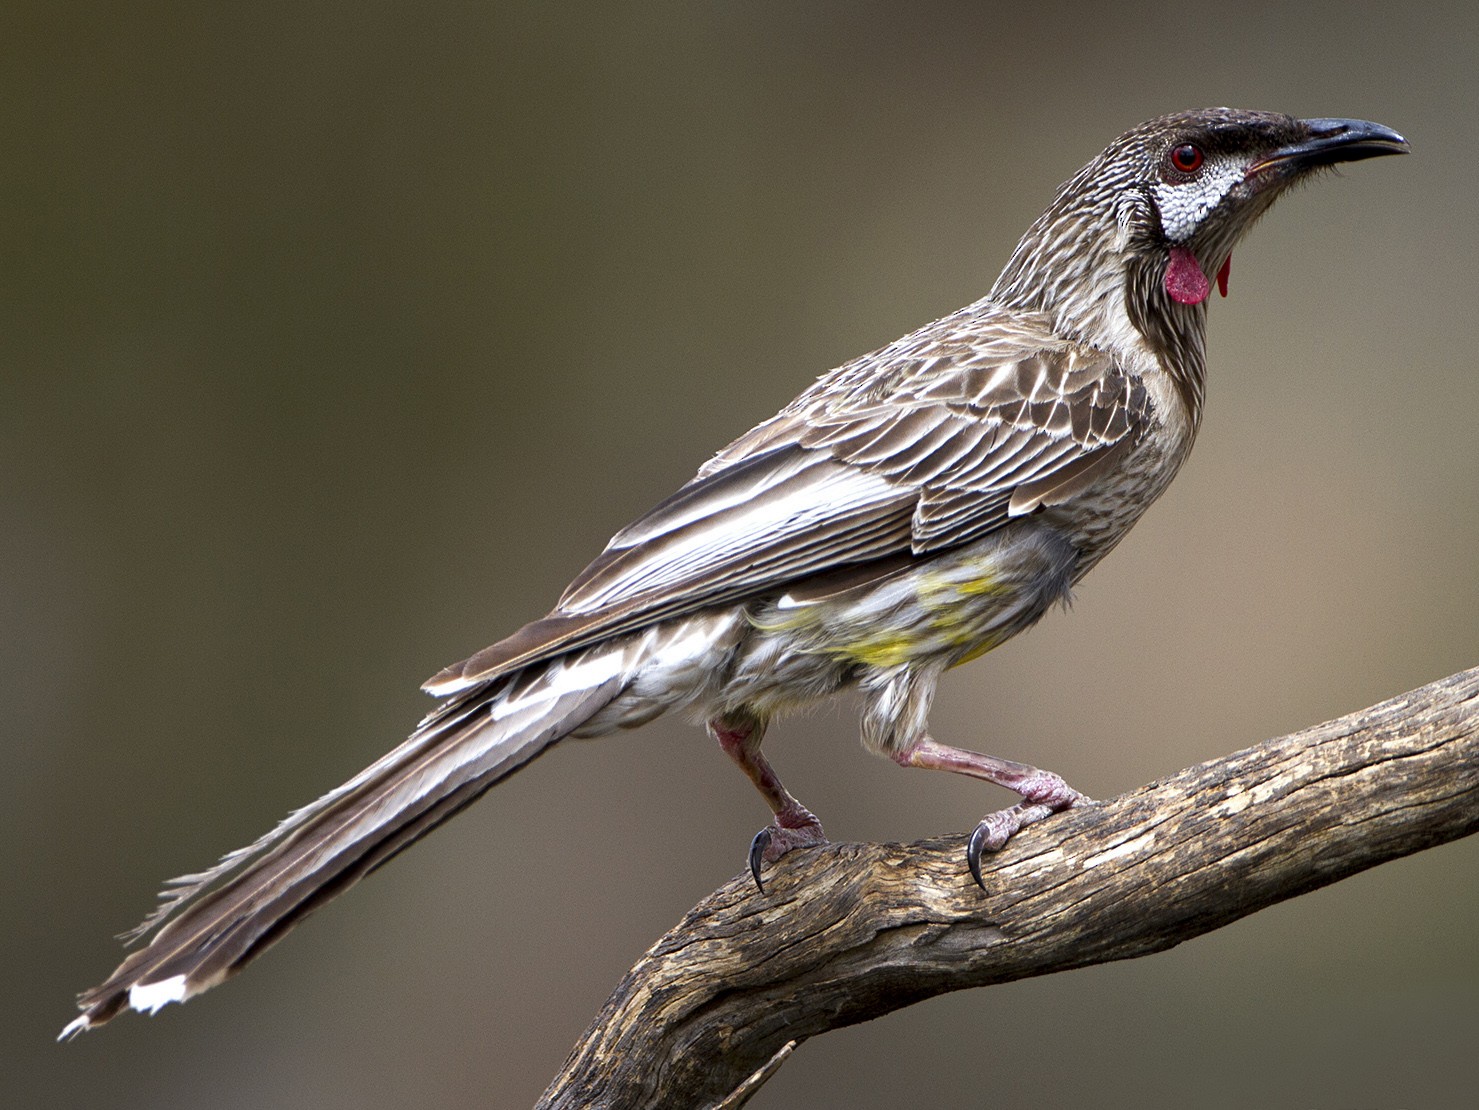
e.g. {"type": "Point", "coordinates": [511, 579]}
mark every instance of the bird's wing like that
{"type": "Point", "coordinates": [926, 444]}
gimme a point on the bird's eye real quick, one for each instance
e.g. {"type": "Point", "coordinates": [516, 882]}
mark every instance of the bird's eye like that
{"type": "Point", "coordinates": [1187, 158]}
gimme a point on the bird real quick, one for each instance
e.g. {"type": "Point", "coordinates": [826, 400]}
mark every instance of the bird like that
{"type": "Point", "coordinates": [911, 510]}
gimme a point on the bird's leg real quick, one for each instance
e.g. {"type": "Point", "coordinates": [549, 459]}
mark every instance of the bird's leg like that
{"type": "Point", "coordinates": [795, 826]}
{"type": "Point", "coordinates": [1042, 792]}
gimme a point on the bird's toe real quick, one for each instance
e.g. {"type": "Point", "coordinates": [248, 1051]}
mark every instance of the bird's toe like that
{"type": "Point", "coordinates": [776, 839]}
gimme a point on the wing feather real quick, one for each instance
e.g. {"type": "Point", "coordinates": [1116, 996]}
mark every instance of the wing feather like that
{"type": "Point", "coordinates": [923, 445]}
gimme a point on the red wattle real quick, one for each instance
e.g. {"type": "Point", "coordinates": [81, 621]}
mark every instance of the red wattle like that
{"type": "Point", "coordinates": [1185, 282]}
{"type": "Point", "coordinates": [1222, 275]}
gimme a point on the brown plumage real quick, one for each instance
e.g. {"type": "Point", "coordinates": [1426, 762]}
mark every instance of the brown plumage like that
{"type": "Point", "coordinates": [911, 510]}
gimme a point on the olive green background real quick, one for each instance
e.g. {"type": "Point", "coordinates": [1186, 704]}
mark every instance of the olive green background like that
{"type": "Point", "coordinates": [338, 336]}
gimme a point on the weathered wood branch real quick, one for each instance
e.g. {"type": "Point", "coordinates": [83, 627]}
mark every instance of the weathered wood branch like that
{"type": "Point", "coordinates": [851, 931]}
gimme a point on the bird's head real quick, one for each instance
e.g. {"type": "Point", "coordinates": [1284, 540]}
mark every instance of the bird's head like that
{"type": "Point", "coordinates": [1132, 243]}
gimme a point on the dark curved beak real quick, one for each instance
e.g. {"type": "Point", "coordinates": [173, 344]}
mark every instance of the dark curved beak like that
{"type": "Point", "coordinates": [1328, 141]}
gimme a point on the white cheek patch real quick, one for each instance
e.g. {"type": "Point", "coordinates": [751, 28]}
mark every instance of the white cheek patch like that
{"type": "Point", "coordinates": [1183, 206]}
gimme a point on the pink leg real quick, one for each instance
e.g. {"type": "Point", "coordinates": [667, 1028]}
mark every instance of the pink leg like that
{"type": "Point", "coordinates": [795, 826]}
{"type": "Point", "coordinates": [1042, 792]}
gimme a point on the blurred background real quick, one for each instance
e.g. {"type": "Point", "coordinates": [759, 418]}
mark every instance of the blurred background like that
{"type": "Point", "coordinates": [338, 336]}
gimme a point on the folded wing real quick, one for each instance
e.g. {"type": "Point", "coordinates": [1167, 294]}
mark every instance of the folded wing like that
{"type": "Point", "coordinates": [971, 427]}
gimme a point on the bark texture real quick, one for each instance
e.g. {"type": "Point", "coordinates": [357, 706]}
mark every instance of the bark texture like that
{"type": "Point", "coordinates": [848, 932]}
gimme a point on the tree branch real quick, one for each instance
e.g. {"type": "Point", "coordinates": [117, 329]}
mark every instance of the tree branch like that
{"type": "Point", "coordinates": [848, 932]}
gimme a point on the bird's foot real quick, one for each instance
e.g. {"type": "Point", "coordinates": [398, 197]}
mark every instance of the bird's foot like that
{"type": "Point", "coordinates": [1043, 794]}
{"type": "Point", "coordinates": [787, 831]}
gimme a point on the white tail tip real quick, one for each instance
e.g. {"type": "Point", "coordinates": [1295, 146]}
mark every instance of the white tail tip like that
{"type": "Point", "coordinates": [147, 998]}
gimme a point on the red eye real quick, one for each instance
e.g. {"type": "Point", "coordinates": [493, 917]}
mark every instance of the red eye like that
{"type": "Point", "coordinates": [1187, 158]}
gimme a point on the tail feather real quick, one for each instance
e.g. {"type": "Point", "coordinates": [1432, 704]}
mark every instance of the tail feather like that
{"type": "Point", "coordinates": [209, 925]}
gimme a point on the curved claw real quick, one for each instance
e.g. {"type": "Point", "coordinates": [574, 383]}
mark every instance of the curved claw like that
{"type": "Point", "coordinates": [973, 852]}
{"type": "Point", "coordinates": [757, 855]}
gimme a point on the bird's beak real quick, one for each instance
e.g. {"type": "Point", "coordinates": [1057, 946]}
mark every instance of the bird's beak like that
{"type": "Point", "coordinates": [1328, 141]}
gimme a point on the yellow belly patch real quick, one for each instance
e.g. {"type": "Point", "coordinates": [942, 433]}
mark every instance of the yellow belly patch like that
{"type": "Point", "coordinates": [942, 610]}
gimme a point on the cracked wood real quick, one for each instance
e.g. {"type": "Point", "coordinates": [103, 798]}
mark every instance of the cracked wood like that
{"type": "Point", "coordinates": [848, 932]}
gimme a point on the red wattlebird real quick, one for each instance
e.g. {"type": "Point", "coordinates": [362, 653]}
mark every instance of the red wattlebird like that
{"type": "Point", "coordinates": [911, 510]}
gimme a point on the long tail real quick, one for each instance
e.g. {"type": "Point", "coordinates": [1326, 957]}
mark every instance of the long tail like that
{"type": "Point", "coordinates": [210, 925]}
